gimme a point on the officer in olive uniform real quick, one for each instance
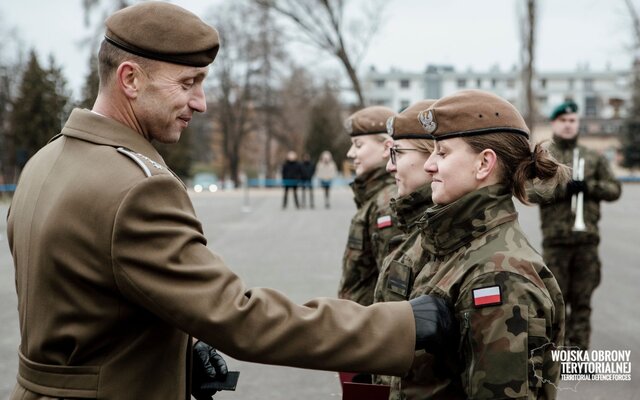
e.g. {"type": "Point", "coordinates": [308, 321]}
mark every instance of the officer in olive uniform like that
{"type": "Point", "coordinates": [113, 273]}
{"type": "Point", "coordinates": [571, 252]}
{"type": "Point", "coordinates": [507, 303]}
{"type": "Point", "coordinates": [373, 227]}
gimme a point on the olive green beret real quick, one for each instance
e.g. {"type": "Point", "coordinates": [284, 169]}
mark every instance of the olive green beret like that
{"type": "Point", "coordinates": [406, 125]}
{"type": "Point", "coordinates": [163, 31]}
{"type": "Point", "coordinates": [368, 121]}
{"type": "Point", "coordinates": [472, 113]}
{"type": "Point", "coordinates": [567, 107]}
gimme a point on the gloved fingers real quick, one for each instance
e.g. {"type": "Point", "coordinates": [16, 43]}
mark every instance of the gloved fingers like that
{"type": "Point", "coordinates": [218, 363]}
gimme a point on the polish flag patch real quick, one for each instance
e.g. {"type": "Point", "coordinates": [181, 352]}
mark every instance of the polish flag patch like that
{"type": "Point", "coordinates": [384, 221]}
{"type": "Point", "coordinates": [487, 296]}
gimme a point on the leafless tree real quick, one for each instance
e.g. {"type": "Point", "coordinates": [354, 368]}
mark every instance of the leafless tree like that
{"type": "Point", "coordinates": [326, 27]}
{"type": "Point", "coordinates": [527, 58]}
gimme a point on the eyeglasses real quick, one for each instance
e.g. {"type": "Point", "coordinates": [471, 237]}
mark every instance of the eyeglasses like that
{"type": "Point", "coordinates": [393, 151]}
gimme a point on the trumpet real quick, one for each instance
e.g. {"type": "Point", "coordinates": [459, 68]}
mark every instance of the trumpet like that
{"type": "Point", "coordinates": [577, 200]}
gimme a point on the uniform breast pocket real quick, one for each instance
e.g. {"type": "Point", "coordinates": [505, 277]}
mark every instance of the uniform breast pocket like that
{"type": "Point", "coordinates": [537, 343]}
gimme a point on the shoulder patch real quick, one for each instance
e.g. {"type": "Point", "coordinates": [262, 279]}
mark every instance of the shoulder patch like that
{"type": "Point", "coordinates": [140, 160]}
{"type": "Point", "coordinates": [384, 221]}
{"type": "Point", "coordinates": [487, 296]}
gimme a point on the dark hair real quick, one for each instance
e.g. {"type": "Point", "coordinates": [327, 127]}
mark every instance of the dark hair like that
{"type": "Point", "coordinates": [519, 164]}
{"type": "Point", "coordinates": [110, 57]}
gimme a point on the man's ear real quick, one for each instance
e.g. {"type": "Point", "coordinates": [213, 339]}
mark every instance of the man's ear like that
{"type": "Point", "coordinates": [487, 162]}
{"type": "Point", "coordinates": [128, 78]}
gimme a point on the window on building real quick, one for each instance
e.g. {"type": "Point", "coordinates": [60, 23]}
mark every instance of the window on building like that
{"type": "Point", "coordinates": [379, 83]}
{"type": "Point", "coordinates": [494, 83]}
{"type": "Point", "coordinates": [379, 102]}
{"type": "Point", "coordinates": [404, 83]}
{"type": "Point", "coordinates": [591, 106]}
{"type": "Point", "coordinates": [462, 83]}
{"type": "Point", "coordinates": [543, 83]}
{"type": "Point", "coordinates": [478, 83]}
{"type": "Point", "coordinates": [588, 84]}
{"type": "Point", "coordinates": [511, 83]}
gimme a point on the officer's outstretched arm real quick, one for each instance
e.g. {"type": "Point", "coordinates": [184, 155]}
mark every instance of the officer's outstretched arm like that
{"type": "Point", "coordinates": [435, 325]}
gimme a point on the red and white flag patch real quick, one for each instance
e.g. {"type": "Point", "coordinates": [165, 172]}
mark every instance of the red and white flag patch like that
{"type": "Point", "coordinates": [384, 221]}
{"type": "Point", "coordinates": [487, 296]}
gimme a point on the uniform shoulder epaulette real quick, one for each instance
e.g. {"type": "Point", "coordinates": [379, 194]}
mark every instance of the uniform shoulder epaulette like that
{"type": "Point", "coordinates": [145, 163]}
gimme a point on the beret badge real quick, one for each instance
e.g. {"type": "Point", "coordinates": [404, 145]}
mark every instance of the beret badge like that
{"type": "Point", "coordinates": [427, 120]}
{"type": "Point", "coordinates": [348, 125]}
{"type": "Point", "coordinates": [390, 122]}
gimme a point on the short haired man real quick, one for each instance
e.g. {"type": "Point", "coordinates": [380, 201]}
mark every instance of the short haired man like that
{"type": "Point", "coordinates": [571, 254]}
{"type": "Point", "coordinates": [113, 274]}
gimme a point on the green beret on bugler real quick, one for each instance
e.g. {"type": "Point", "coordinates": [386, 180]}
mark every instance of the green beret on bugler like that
{"type": "Point", "coordinates": [368, 121]}
{"type": "Point", "coordinates": [567, 107]}
{"type": "Point", "coordinates": [406, 124]}
{"type": "Point", "coordinates": [163, 31]}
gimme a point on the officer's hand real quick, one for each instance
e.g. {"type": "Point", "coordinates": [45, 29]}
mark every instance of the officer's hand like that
{"type": "Point", "coordinates": [574, 187]}
{"type": "Point", "coordinates": [436, 328]}
{"type": "Point", "coordinates": [208, 366]}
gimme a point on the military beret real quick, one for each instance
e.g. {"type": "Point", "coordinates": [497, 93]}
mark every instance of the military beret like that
{"type": "Point", "coordinates": [406, 125]}
{"type": "Point", "coordinates": [368, 121]}
{"type": "Point", "coordinates": [163, 31]}
{"type": "Point", "coordinates": [472, 113]}
{"type": "Point", "coordinates": [567, 107]}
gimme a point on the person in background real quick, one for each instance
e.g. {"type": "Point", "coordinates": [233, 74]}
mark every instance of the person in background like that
{"type": "Point", "coordinates": [326, 172]}
{"type": "Point", "coordinates": [291, 176]}
{"type": "Point", "coordinates": [306, 182]}
{"type": "Point", "coordinates": [373, 227]}
{"type": "Point", "coordinates": [113, 274]}
{"type": "Point", "coordinates": [570, 234]}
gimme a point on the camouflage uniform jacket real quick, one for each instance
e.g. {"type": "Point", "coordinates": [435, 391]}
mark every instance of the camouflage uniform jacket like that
{"type": "Point", "coordinates": [409, 211]}
{"type": "Point", "coordinates": [506, 302]}
{"type": "Point", "coordinates": [371, 234]}
{"type": "Point", "coordinates": [556, 216]}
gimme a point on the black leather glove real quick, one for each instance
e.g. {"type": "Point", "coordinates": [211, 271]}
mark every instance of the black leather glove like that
{"type": "Point", "coordinates": [208, 366]}
{"type": "Point", "coordinates": [574, 187]}
{"type": "Point", "coordinates": [436, 328]}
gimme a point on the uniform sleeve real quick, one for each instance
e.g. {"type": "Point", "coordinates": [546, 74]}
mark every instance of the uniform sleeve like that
{"type": "Point", "coordinates": [161, 263]}
{"type": "Point", "coordinates": [605, 186]}
{"type": "Point", "coordinates": [498, 338]}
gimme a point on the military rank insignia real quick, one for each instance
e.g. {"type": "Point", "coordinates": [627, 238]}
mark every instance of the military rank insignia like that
{"type": "Point", "coordinates": [487, 296]}
{"type": "Point", "coordinates": [384, 221]}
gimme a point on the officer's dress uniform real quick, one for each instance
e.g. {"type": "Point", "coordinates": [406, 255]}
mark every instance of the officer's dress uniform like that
{"type": "Point", "coordinates": [573, 256]}
{"type": "Point", "coordinates": [506, 302]}
{"type": "Point", "coordinates": [372, 235]}
{"type": "Point", "coordinates": [113, 275]}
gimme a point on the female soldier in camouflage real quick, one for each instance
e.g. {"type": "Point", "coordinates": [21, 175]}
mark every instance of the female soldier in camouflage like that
{"type": "Point", "coordinates": [372, 227]}
{"type": "Point", "coordinates": [507, 303]}
{"type": "Point", "coordinates": [410, 149]}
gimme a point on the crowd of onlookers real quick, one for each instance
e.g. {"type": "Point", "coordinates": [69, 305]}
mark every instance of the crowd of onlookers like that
{"type": "Point", "coordinates": [299, 174]}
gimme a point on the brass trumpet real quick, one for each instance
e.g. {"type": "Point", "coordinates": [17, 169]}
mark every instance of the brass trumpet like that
{"type": "Point", "coordinates": [577, 200]}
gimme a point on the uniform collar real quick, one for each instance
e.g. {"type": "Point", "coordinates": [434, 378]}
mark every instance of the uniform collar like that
{"type": "Point", "coordinates": [410, 208]}
{"type": "Point", "coordinates": [565, 144]}
{"type": "Point", "coordinates": [454, 225]}
{"type": "Point", "coordinates": [366, 186]}
{"type": "Point", "coordinates": [95, 128]}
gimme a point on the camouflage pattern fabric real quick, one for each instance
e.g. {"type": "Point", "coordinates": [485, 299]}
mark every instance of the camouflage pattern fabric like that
{"type": "Point", "coordinates": [371, 236]}
{"type": "Point", "coordinates": [573, 256]}
{"type": "Point", "coordinates": [504, 348]}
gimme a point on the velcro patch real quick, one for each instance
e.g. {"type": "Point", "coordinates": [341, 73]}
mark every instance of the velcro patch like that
{"type": "Point", "coordinates": [384, 221]}
{"type": "Point", "coordinates": [487, 296]}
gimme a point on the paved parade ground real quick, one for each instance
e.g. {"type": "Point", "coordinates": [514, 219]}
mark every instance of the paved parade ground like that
{"type": "Point", "coordinates": [299, 252]}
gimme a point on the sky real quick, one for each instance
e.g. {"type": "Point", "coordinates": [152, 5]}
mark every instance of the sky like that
{"type": "Point", "coordinates": [467, 34]}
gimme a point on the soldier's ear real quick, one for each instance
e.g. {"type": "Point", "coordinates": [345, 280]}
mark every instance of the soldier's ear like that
{"type": "Point", "coordinates": [128, 79]}
{"type": "Point", "coordinates": [486, 163]}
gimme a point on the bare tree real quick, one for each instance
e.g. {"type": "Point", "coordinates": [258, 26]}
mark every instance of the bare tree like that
{"type": "Point", "coordinates": [527, 57]}
{"type": "Point", "coordinates": [324, 24]}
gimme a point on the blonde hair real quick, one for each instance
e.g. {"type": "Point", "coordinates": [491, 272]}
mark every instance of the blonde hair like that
{"type": "Point", "coordinates": [519, 164]}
